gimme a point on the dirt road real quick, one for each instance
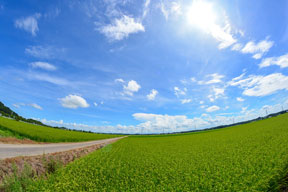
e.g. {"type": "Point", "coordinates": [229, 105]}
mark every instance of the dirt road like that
{"type": "Point", "coordinates": [14, 150]}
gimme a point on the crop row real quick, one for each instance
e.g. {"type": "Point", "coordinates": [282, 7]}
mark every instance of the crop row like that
{"type": "Point", "coordinates": [250, 157]}
{"type": "Point", "coordinates": [48, 134]}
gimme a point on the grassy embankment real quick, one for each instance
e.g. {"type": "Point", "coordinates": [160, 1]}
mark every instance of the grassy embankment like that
{"type": "Point", "coordinates": [249, 157]}
{"type": "Point", "coordinates": [10, 127]}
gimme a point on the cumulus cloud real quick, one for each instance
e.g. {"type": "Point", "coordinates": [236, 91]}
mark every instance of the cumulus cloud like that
{"type": "Point", "coordinates": [281, 61]}
{"type": "Point", "coordinates": [257, 49]}
{"type": "Point", "coordinates": [166, 123]}
{"type": "Point", "coordinates": [178, 92]}
{"type": "Point", "coordinates": [131, 88]}
{"type": "Point", "coordinates": [158, 123]}
{"type": "Point", "coordinates": [43, 65]}
{"type": "Point", "coordinates": [73, 102]}
{"type": "Point", "coordinates": [258, 85]}
{"type": "Point", "coordinates": [240, 99]}
{"type": "Point", "coordinates": [212, 108]}
{"type": "Point", "coordinates": [29, 23]}
{"type": "Point", "coordinates": [122, 28]}
{"type": "Point", "coordinates": [152, 94]}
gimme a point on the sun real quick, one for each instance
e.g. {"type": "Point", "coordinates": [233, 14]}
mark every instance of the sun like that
{"type": "Point", "coordinates": [201, 14]}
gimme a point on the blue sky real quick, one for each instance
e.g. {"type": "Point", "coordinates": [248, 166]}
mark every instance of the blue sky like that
{"type": "Point", "coordinates": [143, 66]}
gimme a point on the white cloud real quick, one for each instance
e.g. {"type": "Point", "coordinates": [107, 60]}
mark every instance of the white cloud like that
{"type": "Point", "coordinates": [152, 94]}
{"type": "Point", "coordinates": [227, 107]}
{"type": "Point", "coordinates": [16, 105]}
{"type": "Point", "coordinates": [169, 8]}
{"type": "Point", "coordinates": [146, 8]}
{"type": "Point", "coordinates": [218, 91]}
{"type": "Point", "coordinates": [119, 81]}
{"type": "Point", "coordinates": [257, 49]}
{"type": "Point", "coordinates": [178, 92]}
{"type": "Point", "coordinates": [240, 99]}
{"type": "Point", "coordinates": [48, 78]}
{"type": "Point", "coordinates": [43, 65]}
{"type": "Point", "coordinates": [157, 123]}
{"type": "Point", "coordinates": [201, 102]}
{"type": "Point", "coordinates": [214, 78]}
{"type": "Point", "coordinates": [73, 102]}
{"type": "Point", "coordinates": [193, 79]}
{"type": "Point", "coordinates": [237, 47]}
{"type": "Point", "coordinates": [202, 15]}
{"type": "Point", "coordinates": [95, 104]}
{"type": "Point", "coordinates": [281, 61]}
{"type": "Point", "coordinates": [52, 13]}
{"type": "Point", "coordinates": [166, 123]}
{"type": "Point", "coordinates": [244, 109]}
{"type": "Point", "coordinates": [29, 23]}
{"type": "Point", "coordinates": [223, 35]}
{"type": "Point", "coordinates": [131, 88]}
{"type": "Point", "coordinates": [122, 28]}
{"type": "Point", "coordinates": [212, 108]}
{"type": "Point", "coordinates": [257, 85]}
{"type": "Point", "coordinates": [34, 105]}
{"type": "Point", "coordinates": [184, 101]}
{"type": "Point", "coordinates": [211, 98]}
{"type": "Point", "coordinates": [44, 52]}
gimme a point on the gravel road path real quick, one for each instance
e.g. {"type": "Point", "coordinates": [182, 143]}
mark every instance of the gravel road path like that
{"type": "Point", "coordinates": [14, 150]}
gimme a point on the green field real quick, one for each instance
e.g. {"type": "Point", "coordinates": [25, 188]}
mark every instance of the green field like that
{"type": "Point", "coordinates": [9, 127]}
{"type": "Point", "coordinates": [249, 157]}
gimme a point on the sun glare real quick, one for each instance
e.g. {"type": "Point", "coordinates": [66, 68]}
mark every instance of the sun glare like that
{"type": "Point", "coordinates": [201, 14]}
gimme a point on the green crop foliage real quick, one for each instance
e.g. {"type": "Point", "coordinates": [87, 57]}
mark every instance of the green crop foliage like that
{"type": "Point", "coordinates": [47, 134]}
{"type": "Point", "coordinates": [249, 157]}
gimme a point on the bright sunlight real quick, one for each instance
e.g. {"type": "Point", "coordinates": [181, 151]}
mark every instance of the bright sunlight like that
{"type": "Point", "coordinates": [201, 14]}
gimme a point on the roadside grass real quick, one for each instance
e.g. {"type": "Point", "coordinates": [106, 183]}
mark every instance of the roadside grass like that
{"type": "Point", "coordinates": [19, 180]}
{"type": "Point", "coordinates": [10, 127]}
{"type": "Point", "coordinates": [249, 157]}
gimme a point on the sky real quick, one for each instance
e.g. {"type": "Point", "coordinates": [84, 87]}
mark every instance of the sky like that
{"type": "Point", "coordinates": [143, 66]}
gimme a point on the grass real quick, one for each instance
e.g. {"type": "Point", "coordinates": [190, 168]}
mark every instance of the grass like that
{"type": "Point", "coordinates": [10, 127]}
{"type": "Point", "coordinates": [249, 157]}
{"type": "Point", "coordinates": [4, 132]}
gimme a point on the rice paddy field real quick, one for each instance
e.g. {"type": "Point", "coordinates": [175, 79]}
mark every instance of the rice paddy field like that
{"type": "Point", "coordinates": [10, 127]}
{"type": "Point", "coordinates": [249, 157]}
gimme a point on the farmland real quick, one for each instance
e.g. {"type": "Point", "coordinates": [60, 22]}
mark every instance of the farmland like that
{"type": "Point", "coordinates": [249, 157]}
{"type": "Point", "coordinates": [10, 127]}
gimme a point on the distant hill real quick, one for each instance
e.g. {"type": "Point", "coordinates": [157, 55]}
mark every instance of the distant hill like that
{"type": "Point", "coordinates": [7, 112]}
